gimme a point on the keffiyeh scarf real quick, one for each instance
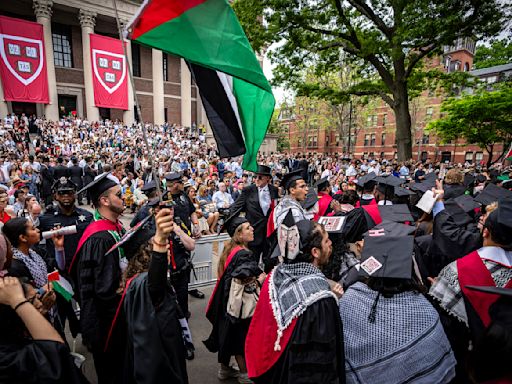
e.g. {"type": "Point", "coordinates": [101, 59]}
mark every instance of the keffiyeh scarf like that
{"type": "Point", "coordinates": [292, 289]}
{"type": "Point", "coordinates": [35, 265]}
{"type": "Point", "coordinates": [286, 204]}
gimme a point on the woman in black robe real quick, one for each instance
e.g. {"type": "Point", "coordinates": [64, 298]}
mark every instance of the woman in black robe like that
{"type": "Point", "coordinates": [228, 334]}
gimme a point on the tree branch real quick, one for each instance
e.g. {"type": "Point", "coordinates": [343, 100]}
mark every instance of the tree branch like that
{"type": "Point", "coordinates": [362, 7]}
{"type": "Point", "coordinates": [423, 52]}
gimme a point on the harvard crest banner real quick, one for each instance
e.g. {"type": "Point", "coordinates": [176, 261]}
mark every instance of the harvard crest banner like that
{"type": "Point", "coordinates": [23, 61]}
{"type": "Point", "coordinates": [109, 72]}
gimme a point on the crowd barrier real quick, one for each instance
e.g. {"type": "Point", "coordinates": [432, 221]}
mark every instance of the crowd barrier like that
{"type": "Point", "coordinates": [205, 258]}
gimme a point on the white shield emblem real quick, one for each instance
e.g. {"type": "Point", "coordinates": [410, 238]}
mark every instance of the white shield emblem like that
{"type": "Point", "coordinates": [22, 56]}
{"type": "Point", "coordinates": [109, 69]}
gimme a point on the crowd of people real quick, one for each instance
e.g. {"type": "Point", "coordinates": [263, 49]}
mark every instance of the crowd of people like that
{"type": "Point", "coordinates": [338, 269]}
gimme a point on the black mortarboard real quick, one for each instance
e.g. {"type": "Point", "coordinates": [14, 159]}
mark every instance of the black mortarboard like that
{"type": "Point", "coordinates": [149, 186]}
{"type": "Point", "coordinates": [322, 184]}
{"type": "Point", "coordinates": [387, 256]}
{"type": "Point", "coordinates": [310, 200]}
{"type": "Point", "coordinates": [134, 238]}
{"type": "Point", "coordinates": [173, 176]}
{"type": "Point", "coordinates": [459, 216]}
{"type": "Point", "coordinates": [390, 228]}
{"type": "Point", "coordinates": [423, 186]}
{"type": "Point", "coordinates": [390, 180]}
{"type": "Point", "coordinates": [63, 184]}
{"type": "Point", "coordinates": [468, 179]}
{"type": "Point", "coordinates": [263, 170]}
{"type": "Point", "coordinates": [398, 213]}
{"type": "Point", "coordinates": [481, 178]}
{"type": "Point", "coordinates": [499, 222]}
{"type": "Point", "coordinates": [232, 223]}
{"type": "Point", "coordinates": [492, 290]}
{"type": "Point", "coordinates": [99, 185]}
{"type": "Point", "coordinates": [367, 181]}
{"type": "Point", "coordinates": [400, 192]}
{"type": "Point", "coordinates": [467, 203]}
{"type": "Point", "coordinates": [289, 177]}
{"type": "Point", "coordinates": [492, 193]}
{"type": "Point", "coordinates": [432, 176]}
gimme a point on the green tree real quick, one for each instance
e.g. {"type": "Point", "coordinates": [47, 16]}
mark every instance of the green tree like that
{"type": "Point", "coordinates": [274, 127]}
{"type": "Point", "coordinates": [497, 53]}
{"type": "Point", "coordinates": [482, 118]}
{"type": "Point", "coordinates": [384, 40]}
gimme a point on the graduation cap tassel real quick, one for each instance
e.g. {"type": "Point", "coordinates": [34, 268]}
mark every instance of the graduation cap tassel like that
{"type": "Point", "coordinates": [137, 106]}
{"type": "Point", "coordinates": [373, 312]}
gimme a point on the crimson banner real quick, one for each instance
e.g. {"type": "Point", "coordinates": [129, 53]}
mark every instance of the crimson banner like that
{"type": "Point", "coordinates": [109, 72]}
{"type": "Point", "coordinates": [23, 61]}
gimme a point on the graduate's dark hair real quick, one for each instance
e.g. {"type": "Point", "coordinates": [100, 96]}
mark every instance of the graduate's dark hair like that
{"type": "Point", "coordinates": [312, 240]}
{"type": "Point", "coordinates": [14, 228]}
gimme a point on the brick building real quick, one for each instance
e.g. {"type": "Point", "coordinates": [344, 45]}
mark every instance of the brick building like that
{"type": "Point", "coordinates": [162, 82]}
{"type": "Point", "coordinates": [370, 131]}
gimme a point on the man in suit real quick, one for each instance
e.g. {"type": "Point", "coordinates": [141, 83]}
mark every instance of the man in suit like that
{"type": "Point", "coordinates": [257, 202]}
{"type": "Point", "coordinates": [60, 170]}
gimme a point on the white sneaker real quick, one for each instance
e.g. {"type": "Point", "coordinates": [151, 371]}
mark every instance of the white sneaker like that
{"type": "Point", "coordinates": [243, 378]}
{"type": "Point", "coordinates": [227, 372]}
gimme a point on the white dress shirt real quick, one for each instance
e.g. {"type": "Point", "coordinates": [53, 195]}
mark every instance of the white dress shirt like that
{"type": "Point", "coordinates": [264, 197]}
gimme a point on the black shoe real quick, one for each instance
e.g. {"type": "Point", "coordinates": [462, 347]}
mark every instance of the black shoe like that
{"type": "Point", "coordinates": [196, 293]}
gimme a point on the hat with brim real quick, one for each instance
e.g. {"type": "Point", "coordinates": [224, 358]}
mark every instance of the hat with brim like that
{"type": "Point", "coordinates": [263, 170]}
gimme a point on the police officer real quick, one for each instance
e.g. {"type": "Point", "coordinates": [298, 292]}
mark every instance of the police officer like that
{"type": "Point", "coordinates": [66, 214]}
{"type": "Point", "coordinates": [149, 189]}
{"type": "Point", "coordinates": [185, 217]}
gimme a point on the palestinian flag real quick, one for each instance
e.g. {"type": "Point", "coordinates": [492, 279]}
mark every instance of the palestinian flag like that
{"type": "Point", "coordinates": [236, 95]}
{"type": "Point", "coordinates": [508, 156]}
{"type": "Point", "coordinates": [61, 285]}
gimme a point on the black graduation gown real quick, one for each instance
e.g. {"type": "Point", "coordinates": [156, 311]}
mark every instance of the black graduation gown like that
{"type": "Point", "coordinates": [450, 242]}
{"type": "Point", "coordinates": [155, 350]}
{"type": "Point", "coordinates": [228, 334]}
{"type": "Point", "coordinates": [37, 362]}
{"type": "Point", "coordinates": [315, 351]}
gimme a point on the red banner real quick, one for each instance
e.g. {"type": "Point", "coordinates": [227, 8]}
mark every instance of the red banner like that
{"type": "Point", "coordinates": [23, 61]}
{"type": "Point", "coordinates": [109, 72]}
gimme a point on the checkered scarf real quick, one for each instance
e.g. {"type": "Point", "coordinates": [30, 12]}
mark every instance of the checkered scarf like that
{"type": "Point", "coordinates": [35, 265]}
{"type": "Point", "coordinates": [292, 289]}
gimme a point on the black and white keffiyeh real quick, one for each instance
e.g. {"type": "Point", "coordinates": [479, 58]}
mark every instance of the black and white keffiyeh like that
{"type": "Point", "coordinates": [35, 265]}
{"type": "Point", "coordinates": [292, 289]}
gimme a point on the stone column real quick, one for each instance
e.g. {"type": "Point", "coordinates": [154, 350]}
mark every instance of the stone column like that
{"type": "Point", "coordinates": [43, 12]}
{"type": "Point", "coordinates": [87, 22]}
{"type": "Point", "coordinates": [186, 95]}
{"type": "Point", "coordinates": [158, 86]}
{"type": "Point", "coordinates": [128, 115]}
{"type": "Point", "coordinates": [3, 104]}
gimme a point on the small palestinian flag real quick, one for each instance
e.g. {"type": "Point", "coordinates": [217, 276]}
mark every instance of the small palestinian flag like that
{"type": "Point", "coordinates": [508, 156]}
{"type": "Point", "coordinates": [236, 95]}
{"type": "Point", "coordinates": [61, 285]}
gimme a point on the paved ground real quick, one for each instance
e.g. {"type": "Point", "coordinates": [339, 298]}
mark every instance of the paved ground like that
{"type": "Point", "coordinates": [201, 370]}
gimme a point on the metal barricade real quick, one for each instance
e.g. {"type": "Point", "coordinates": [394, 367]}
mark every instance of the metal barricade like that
{"type": "Point", "coordinates": [205, 258]}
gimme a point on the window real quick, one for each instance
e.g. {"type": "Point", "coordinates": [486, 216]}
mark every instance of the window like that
{"type": "Point", "coordinates": [383, 139]}
{"type": "Point", "coordinates": [382, 155]}
{"type": "Point", "coordinates": [372, 139]}
{"type": "Point", "coordinates": [430, 113]}
{"type": "Point", "coordinates": [165, 115]}
{"type": "Point", "coordinates": [396, 156]}
{"type": "Point", "coordinates": [371, 155]}
{"type": "Point", "coordinates": [62, 51]}
{"type": "Point", "coordinates": [384, 119]}
{"type": "Point", "coordinates": [446, 157]}
{"type": "Point", "coordinates": [424, 156]}
{"type": "Point", "coordinates": [466, 67]}
{"type": "Point", "coordinates": [327, 140]}
{"type": "Point", "coordinates": [365, 155]}
{"type": "Point", "coordinates": [136, 60]}
{"type": "Point", "coordinates": [469, 157]}
{"type": "Point", "coordinates": [425, 139]}
{"type": "Point", "coordinates": [371, 120]}
{"type": "Point", "coordinates": [164, 64]}
{"type": "Point", "coordinates": [479, 156]}
{"type": "Point", "coordinates": [337, 138]}
{"type": "Point", "coordinates": [366, 140]}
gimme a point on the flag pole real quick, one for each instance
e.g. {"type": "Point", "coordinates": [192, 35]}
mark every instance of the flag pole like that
{"type": "Point", "coordinates": [151, 153]}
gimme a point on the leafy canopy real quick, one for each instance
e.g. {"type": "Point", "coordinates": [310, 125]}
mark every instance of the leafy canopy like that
{"type": "Point", "coordinates": [497, 53]}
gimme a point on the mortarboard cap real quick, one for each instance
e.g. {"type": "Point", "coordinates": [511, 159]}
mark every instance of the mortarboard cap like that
{"type": "Point", "coordinates": [134, 238]}
{"type": "Point", "coordinates": [367, 181]}
{"type": "Point", "coordinates": [387, 257]}
{"type": "Point", "coordinates": [466, 202]}
{"type": "Point", "coordinates": [431, 176]}
{"type": "Point", "coordinates": [468, 179]}
{"type": "Point", "coordinates": [492, 290]}
{"type": "Point", "coordinates": [390, 228]}
{"type": "Point", "coordinates": [400, 192]}
{"type": "Point", "coordinates": [322, 183]}
{"type": "Point", "coordinates": [492, 193]}
{"type": "Point", "coordinates": [100, 184]}
{"type": "Point", "coordinates": [310, 200]}
{"type": "Point", "coordinates": [481, 178]}
{"type": "Point", "coordinates": [459, 216]}
{"type": "Point", "coordinates": [398, 213]}
{"type": "Point", "coordinates": [423, 187]}
{"type": "Point", "coordinates": [290, 177]}
{"type": "Point", "coordinates": [63, 184]}
{"type": "Point", "coordinates": [499, 223]}
{"type": "Point", "coordinates": [389, 180]}
{"type": "Point", "coordinates": [232, 223]}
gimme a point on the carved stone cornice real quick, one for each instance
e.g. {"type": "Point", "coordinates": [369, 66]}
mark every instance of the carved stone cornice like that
{"type": "Point", "coordinates": [43, 8]}
{"type": "Point", "coordinates": [87, 18]}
